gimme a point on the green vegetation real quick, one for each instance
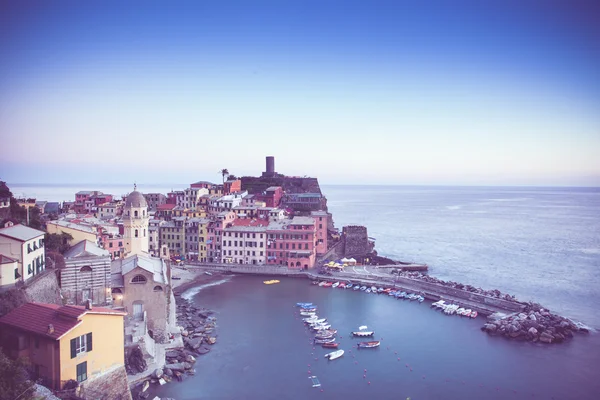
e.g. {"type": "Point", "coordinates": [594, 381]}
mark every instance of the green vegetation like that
{"type": "Point", "coordinates": [14, 380]}
{"type": "Point", "coordinates": [58, 243]}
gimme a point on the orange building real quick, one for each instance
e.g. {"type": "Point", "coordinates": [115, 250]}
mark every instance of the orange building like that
{"type": "Point", "coordinates": [64, 343]}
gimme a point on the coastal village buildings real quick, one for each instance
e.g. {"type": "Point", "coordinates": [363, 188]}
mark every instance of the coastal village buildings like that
{"type": "Point", "coordinates": [292, 243]}
{"type": "Point", "coordinates": [86, 275]}
{"type": "Point", "coordinates": [154, 200]}
{"type": "Point", "coordinates": [107, 210]}
{"type": "Point", "coordinates": [9, 270]}
{"type": "Point", "coordinates": [63, 343]}
{"type": "Point", "coordinates": [26, 246]}
{"type": "Point", "coordinates": [244, 242]}
{"type": "Point", "coordinates": [77, 231]}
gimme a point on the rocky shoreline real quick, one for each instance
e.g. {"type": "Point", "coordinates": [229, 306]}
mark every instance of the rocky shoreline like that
{"type": "Point", "coordinates": [534, 324]}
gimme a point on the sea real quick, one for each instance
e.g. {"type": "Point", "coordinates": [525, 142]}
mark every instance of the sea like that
{"type": "Point", "coordinates": [541, 244]}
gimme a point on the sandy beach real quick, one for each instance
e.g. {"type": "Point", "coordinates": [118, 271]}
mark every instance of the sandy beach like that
{"type": "Point", "coordinates": [184, 278]}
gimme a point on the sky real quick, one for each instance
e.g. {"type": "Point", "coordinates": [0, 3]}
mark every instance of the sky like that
{"type": "Point", "coordinates": [366, 92]}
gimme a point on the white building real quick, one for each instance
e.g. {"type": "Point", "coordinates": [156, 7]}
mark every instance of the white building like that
{"type": "Point", "coordinates": [245, 242]}
{"type": "Point", "coordinates": [26, 245]}
{"type": "Point", "coordinates": [107, 211]}
{"type": "Point", "coordinates": [191, 196]}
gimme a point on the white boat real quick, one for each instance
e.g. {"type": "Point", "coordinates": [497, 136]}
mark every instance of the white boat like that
{"type": "Point", "coordinates": [321, 327]}
{"type": "Point", "coordinates": [307, 313]}
{"type": "Point", "coordinates": [467, 312]}
{"type": "Point", "coordinates": [335, 285]}
{"type": "Point", "coordinates": [460, 311]}
{"type": "Point", "coordinates": [362, 327]}
{"type": "Point", "coordinates": [318, 321]}
{"type": "Point", "coordinates": [363, 333]}
{"type": "Point", "coordinates": [312, 318]}
{"type": "Point", "coordinates": [473, 314]}
{"type": "Point", "coordinates": [322, 283]}
{"type": "Point", "coordinates": [334, 354]}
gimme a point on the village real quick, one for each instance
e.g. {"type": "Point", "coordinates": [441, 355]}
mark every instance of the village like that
{"type": "Point", "coordinates": [87, 287]}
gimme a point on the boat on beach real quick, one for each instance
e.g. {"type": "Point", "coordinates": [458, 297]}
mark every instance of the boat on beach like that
{"type": "Point", "coordinates": [335, 354]}
{"type": "Point", "coordinates": [368, 345]}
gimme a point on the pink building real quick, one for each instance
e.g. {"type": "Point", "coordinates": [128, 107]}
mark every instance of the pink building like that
{"type": "Point", "coordinates": [113, 244]}
{"type": "Point", "coordinates": [321, 222]}
{"type": "Point", "coordinates": [215, 234]}
{"type": "Point", "coordinates": [272, 196]}
{"type": "Point", "coordinates": [292, 243]}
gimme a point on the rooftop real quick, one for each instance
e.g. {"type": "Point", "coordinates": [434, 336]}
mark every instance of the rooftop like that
{"type": "Point", "coordinates": [85, 248]}
{"type": "Point", "coordinates": [36, 317]}
{"type": "Point", "coordinates": [6, 260]}
{"type": "Point", "coordinates": [73, 225]}
{"type": "Point", "coordinates": [21, 232]}
{"type": "Point", "coordinates": [303, 221]}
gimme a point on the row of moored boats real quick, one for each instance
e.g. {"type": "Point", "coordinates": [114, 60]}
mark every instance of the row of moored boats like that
{"type": "Point", "coordinates": [324, 333]}
{"type": "Point", "coordinates": [452, 309]}
{"type": "Point", "coordinates": [372, 289]}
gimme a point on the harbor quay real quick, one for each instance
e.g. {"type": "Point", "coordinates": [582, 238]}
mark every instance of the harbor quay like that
{"type": "Point", "coordinates": [482, 304]}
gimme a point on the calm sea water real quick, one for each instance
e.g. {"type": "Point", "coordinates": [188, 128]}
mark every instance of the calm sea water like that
{"type": "Point", "coordinates": [541, 244]}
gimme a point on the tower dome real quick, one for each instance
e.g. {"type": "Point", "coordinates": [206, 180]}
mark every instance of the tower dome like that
{"type": "Point", "coordinates": [136, 199]}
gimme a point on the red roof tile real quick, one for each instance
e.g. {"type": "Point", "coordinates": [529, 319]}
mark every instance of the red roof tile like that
{"type": "Point", "coordinates": [162, 207]}
{"type": "Point", "coordinates": [35, 318]}
{"type": "Point", "coordinates": [250, 222]}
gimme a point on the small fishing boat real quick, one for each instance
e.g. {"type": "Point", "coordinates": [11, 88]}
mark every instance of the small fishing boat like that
{"type": "Point", "coordinates": [349, 286]}
{"type": "Point", "coordinates": [368, 291]}
{"type": "Point", "coordinates": [342, 285]}
{"type": "Point", "coordinates": [473, 314]}
{"type": "Point", "coordinates": [373, 289]}
{"type": "Point", "coordinates": [328, 284]}
{"type": "Point", "coordinates": [368, 345]}
{"type": "Point", "coordinates": [307, 314]}
{"type": "Point", "coordinates": [403, 295]}
{"type": "Point", "coordinates": [317, 320]}
{"type": "Point", "coordinates": [335, 354]}
{"type": "Point", "coordinates": [324, 337]}
{"type": "Point", "coordinates": [321, 327]}
{"type": "Point", "coordinates": [304, 304]}
{"type": "Point", "coordinates": [314, 283]}
{"type": "Point", "coordinates": [460, 311]}
{"type": "Point", "coordinates": [330, 345]}
{"type": "Point", "coordinates": [467, 312]}
{"type": "Point", "coordinates": [323, 341]}
{"type": "Point", "coordinates": [335, 285]}
{"type": "Point", "coordinates": [207, 273]}
{"type": "Point", "coordinates": [356, 287]}
{"type": "Point", "coordinates": [363, 333]}
{"type": "Point", "coordinates": [421, 299]}
{"type": "Point", "coordinates": [271, 282]}
{"type": "Point", "coordinates": [315, 381]}
{"type": "Point", "coordinates": [380, 290]}
{"type": "Point", "coordinates": [387, 290]}
{"type": "Point", "coordinates": [322, 283]}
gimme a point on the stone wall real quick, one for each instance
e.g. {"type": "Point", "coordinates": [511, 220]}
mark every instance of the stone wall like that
{"type": "Point", "coordinates": [43, 288]}
{"type": "Point", "coordinates": [112, 385]}
{"type": "Point", "coordinates": [356, 241]}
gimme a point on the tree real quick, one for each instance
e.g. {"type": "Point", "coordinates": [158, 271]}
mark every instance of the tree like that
{"type": "Point", "coordinates": [14, 380]}
{"type": "Point", "coordinates": [58, 242]}
{"type": "Point", "coordinates": [224, 172]}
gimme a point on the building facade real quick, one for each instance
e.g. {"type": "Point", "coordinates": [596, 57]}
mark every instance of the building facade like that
{"type": "Point", "coordinates": [135, 223]}
{"type": "Point", "coordinates": [86, 275]}
{"type": "Point", "coordinates": [65, 343]}
{"type": "Point", "coordinates": [26, 246]}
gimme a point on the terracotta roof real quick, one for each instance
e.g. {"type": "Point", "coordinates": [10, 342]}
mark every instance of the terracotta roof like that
{"type": "Point", "coordinates": [36, 317]}
{"type": "Point", "coordinates": [166, 207]}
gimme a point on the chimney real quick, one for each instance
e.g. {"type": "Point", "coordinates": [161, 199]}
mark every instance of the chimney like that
{"type": "Point", "coordinates": [88, 305]}
{"type": "Point", "coordinates": [50, 329]}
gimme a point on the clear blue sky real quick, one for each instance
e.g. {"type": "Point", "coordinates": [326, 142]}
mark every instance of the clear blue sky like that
{"type": "Point", "coordinates": [421, 92]}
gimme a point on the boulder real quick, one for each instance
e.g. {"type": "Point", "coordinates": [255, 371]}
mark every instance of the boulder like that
{"type": "Point", "coordinates": [168, 372]}
{"type": "Point", "coordinates": [177, 367]}
{"type": "Point", "coordinates": [190, 359]}
{"type": "Point", "coordinates": [532, 332]}
{"type": "Point", "coordinates": [172, 354]}
{"type": "Point", "coordinates": [546, 337]}
{"type": "Point", "coordinates": [490, 327]}
{"type": "Point", "coordinates": [187, 365]}
{"type": "Point", "coordinates": [532, 317]}
{"type": "Point", "coordinates": [184, 333]}
{"type": "Point", "coordinates": [157, 374]}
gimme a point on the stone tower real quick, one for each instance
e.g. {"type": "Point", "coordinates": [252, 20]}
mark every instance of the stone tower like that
{"type": "Point", "coordinates": [135, 223]}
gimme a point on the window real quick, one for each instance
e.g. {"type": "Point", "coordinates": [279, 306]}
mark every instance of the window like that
{"type": "Point", "coordinates": [158, 288]}
{"type": "Point", "coordinates": [136, 233]}
{"type": "Point", "coordinates": [139, 279]}
{"type": "Point", "coordinates": [110, 244]}
{"type": "Point", "coordinates": [135, 213]}
{"type": "Point", "coordinates": [86, 268]}
{"type": "Point", "coordinates": [81, 344]}
{"type": "Point", "coordinates": [82, 371]}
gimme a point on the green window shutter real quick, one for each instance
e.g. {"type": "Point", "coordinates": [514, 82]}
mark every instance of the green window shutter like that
{"type": "Point", "coordinates": [73, 348]}
{"type": "Point", "coordinates": [88, 340]}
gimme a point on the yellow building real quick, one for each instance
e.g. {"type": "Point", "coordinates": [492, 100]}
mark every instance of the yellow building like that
{"type": "Point", "coordinates": [65, 343]}
{"type": "Point", "coordinates": [77, 231]}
